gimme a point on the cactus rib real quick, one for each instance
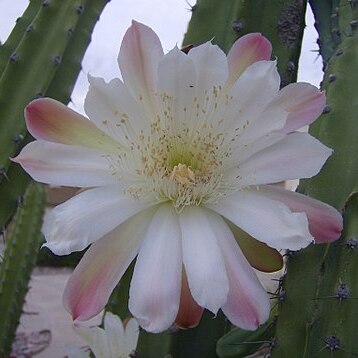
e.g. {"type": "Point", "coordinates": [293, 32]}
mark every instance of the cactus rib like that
{"type": "Point", "coordinates": [19, 257]}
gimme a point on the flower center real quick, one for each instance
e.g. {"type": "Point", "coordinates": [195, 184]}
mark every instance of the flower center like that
{"type": "Point", "coordinates": [182, 174]}
{"type": "Point", "coordinates": [181, 157]}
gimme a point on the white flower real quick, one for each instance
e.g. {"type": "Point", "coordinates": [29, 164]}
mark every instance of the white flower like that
{"type": "Point", "coordinates": [175, 159]}
{"type": "Point", "coordinates": [114, 341]}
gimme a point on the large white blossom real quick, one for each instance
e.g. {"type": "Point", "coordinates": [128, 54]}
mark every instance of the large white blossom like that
{"type": "Point", "coordinates": [178, 162]}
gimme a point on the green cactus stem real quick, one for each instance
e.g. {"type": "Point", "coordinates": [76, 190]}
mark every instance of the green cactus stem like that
{"type": "Point", "coordinates": [320, 306]}
{"type": "Point", "coordinates": [19, 257]}
{"type": "Point", "coordinates": [23, 24]}
{"type": "Point", "coordinates": [326, 14]}
{"type": "Point", "coordinates": [241, 343]}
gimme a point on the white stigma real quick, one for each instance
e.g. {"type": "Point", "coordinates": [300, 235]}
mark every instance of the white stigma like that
{"type": "Point", "coordinates": [182, 174]}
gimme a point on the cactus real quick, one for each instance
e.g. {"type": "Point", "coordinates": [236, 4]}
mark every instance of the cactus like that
{"type": "Point", "coordinates": [241, 343]}
{"type": "Point", "coordinates": [22, 24]}
{"type": "Point", "coordinates": [321, 280]}
{"type": "Point", "coordinates": [326, 15]}
{"type": "Point", "coordinates": [22, 244]}
{"type": "Point", "coordinates": [43, 56]}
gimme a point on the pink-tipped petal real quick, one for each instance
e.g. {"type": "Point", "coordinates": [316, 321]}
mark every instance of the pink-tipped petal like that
{"type": "Point", "coordinates": [279, 227]}
{"type": "Point", "coordinates": [138, 60]}
{"type": "Point", "coordinates": [303, 102]}
{"type": "Point", "coordinates": [325, 222]}
{"type": "Point", "coordinates": [189, 314]}
{"type": "Point", "coordinates": [203, 261]}
{"type": "Point", "coordinates": [247, 304]}
{"type": "Point", "coordinates": [244, 52]}
{"type": "Point", "coordinates": [60, 164]}
{"type": "Point", "coordinates": [52, 121]}
{"type": "Point", "coordinates": [102, 266]}
{"type": "Point", "coordinates": [154, 293]}
{"type": "Point", "coordinates": [74, 225]}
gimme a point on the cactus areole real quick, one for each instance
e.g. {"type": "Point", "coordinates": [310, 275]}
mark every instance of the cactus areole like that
{"type": "Point", "coordinates": [184, 149]}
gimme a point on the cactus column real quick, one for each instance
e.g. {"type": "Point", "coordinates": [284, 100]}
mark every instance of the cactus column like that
{"type": "Point", "coordinates": [22, 245]}
{"type": "Point", "coordinates": [42, 56]}
{"type": "Point", "coordinates": [319, 313]}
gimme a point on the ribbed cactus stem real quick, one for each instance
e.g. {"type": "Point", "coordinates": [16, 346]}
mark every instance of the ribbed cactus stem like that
{"type": "Point", "coordinates": [319, 311]}
{"type": "Point", "coordinates": [23, 24]}
{"type": "Point", "coordinates": [19, 257]}
{"type": "Point", "coordinates": [327, 24]}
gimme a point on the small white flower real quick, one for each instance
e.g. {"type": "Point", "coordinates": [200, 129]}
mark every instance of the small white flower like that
{"type": "Point", "coordinates": [114, 341]}
{"type": "Point", "coordinates": [176, 158]}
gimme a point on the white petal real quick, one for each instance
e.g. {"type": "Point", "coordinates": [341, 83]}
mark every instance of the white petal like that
{"type": "Point", "coordinates": [176, 73]}
{"type": "Point", "coordinates": [176, 79]}
{"type": "Point", "coordinates": [247, 304]}
{"type": "Point", "coordinates": [257, 86]}
{"type": "Point", "coordinates": [95, 338]}
{"type": "Point", "coordinates": [131, 335]}
{"type": "Point", "coordinates": [80, 221]}
{"type": "Point", "coordinates": [204, 264]}
{"type": "Point", "coordinates": [250, 113]}
{"type": "Point", "coordinates": [210, 65]}
{"type": "Point", "coordinates": [138, 60]}
{"type": "Point", "coordinates": [250, 129]}
{"type": "Point", "coordinates": [298, 155]}
{"type": "Point", "coordinates": [115, 334]}
{"type": "Point", "coordinates": [61, 164]}
{"type": "Point", "coordinates": [113, 109]}
{"type": "Point", "coordinates": [155, 288]}
{"type": "Point", "coordinates": [245, 151]}
{"type": "Point", "coordinates": [103, 265]}
{"type": "Point", "coordinates": [265, 219]}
